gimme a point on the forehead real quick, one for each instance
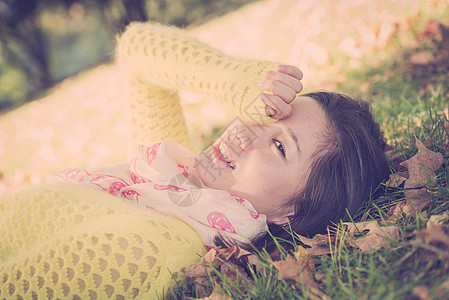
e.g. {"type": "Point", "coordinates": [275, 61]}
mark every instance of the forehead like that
{"type": "Point", "coordinates": [307, 105]}
{"type": "Point", "coordinates": [306, 114]}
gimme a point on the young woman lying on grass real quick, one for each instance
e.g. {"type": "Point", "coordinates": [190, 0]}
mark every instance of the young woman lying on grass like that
{"type": "Point", "coordinates": [288, 161]}
{"type": "Point", "coordinates": [312, 167]}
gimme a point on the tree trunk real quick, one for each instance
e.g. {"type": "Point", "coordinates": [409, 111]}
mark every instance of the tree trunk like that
{"type": "Point", "coordinates": [36, 46]}
{"type": "Point", "coordinates": [135, 10]}
{"type": "Point", "coordinates": [25, 47]}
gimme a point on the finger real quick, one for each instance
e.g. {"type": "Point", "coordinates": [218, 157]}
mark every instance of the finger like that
{"type": "Point", "coordinates": [290, 70]}
{"type": "Point", "coordinates": [287, 79]}
{"type": "Point", "coordinates": [281, 109]}
{"type": "Point", "coordinates": [286, 93]}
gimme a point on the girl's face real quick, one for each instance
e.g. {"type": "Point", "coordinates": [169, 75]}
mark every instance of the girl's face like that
{"type": "Point", "coordinates": [267, 165]}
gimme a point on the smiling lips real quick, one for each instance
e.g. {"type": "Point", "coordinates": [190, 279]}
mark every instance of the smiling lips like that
{"type": "Point", "coordinates": [223, 154]}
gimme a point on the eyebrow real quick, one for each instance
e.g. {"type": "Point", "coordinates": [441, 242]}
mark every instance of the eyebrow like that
{"type": "Point", "coordinates": [294, 138]}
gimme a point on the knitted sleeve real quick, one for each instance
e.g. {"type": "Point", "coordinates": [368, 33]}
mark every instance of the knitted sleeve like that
{"type": "Point", "coordinates": [167, 58]}
{"type": "Point", "coordinates": [57, 243]}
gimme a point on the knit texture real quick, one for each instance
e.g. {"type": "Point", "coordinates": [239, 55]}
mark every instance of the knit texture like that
{"type": "Point", "coordinates": [160, 60]}
{"type": "Point", "coordinates": [72, 242]}
{"type": "Point", "coordinates": [156, 115]}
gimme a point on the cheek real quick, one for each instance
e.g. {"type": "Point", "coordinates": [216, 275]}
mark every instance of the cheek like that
{"type": "Point", "coordinates": [278, 183]}
{"type": "Point", "coordinates": [262, 177]}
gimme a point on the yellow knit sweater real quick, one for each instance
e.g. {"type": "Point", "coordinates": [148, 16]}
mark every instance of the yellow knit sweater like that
{"type": "Point", "coordinates": [68, 241]}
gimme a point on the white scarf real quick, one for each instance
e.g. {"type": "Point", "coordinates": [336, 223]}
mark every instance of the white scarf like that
{"type": "Point", "coordinates": [163, 177]}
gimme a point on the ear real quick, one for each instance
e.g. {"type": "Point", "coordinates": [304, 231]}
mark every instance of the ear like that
{"type": "Point", "coordinates": [282, 220]}
{"type": "Point", "coordinates": [285, 217]}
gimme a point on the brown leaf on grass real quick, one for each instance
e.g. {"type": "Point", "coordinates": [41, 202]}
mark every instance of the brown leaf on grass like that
{"type": "Point", "coordinates": [315, 294]}
{"type": "Point", "coordinates": [370, 236]}
{"type": "Point", "coordinates": [439, 219]}
{"type": "Point", "coordinates": [395, 212]}
{"type": "Point", "coordinates": [312, 292]}
{"type": "Point", "coordinates": [217, 294]}
{"type": "Point", "coordinates": [395, 180]}
{"type": "Point", "coordinates": [415, 201]}
{"type": "Point", "coordinates": [299, 270]}
{"type": "Point", "coordinates": [436, 235]}
{"type": "Point", "coordinates": [320, 277]}
{"type": "Point", "coordinates": [422, 166]}
{"type": "Point", "coordinates": [303, 256]}
{"type": "Point", "coordinates": [230, 262]}
{"type": "Point", "coordinates": [319, 244]}
{"type": "Point", "coordinates": [434, 241]}
{"type": "Point", "coordinates": [255, 262]}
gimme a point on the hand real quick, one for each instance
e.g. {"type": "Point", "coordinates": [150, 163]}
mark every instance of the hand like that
{"type": "Point", "coordinates": [282, 85]}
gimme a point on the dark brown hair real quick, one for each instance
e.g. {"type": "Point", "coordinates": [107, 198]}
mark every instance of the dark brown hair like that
{"type": "Point", "coordinates": [347, 166]}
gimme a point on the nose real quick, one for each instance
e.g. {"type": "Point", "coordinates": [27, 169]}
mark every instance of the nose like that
{"type": "Point", "coordinates": [246, 141]}
{"type": "Point", "coordinates": [247, 137]}
{"type": "Point", "coordinates": [240, 137]}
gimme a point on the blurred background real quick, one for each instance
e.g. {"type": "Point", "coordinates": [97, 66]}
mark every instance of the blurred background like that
{"type": "Point", "coordinates": [62, 100]}
{"type": "Point", "coordinates": [44, 41]}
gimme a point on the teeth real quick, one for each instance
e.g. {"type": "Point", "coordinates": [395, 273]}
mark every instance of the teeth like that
{"type": "Point", "coordinates": [225, 155]}
{"type": "Point", "coordinates": [223, 152]}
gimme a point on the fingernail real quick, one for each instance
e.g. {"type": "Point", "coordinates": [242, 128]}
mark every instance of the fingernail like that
{"type": "Point", "coordinates": [269, 111]}
{"type": "Point", "coordinates": [260, 84]}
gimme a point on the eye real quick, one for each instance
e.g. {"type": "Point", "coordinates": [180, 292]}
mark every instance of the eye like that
{"type": "Point", "coordinates": [280, 147]}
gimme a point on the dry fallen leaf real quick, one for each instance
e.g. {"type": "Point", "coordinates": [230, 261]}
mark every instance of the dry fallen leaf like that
{"type": "Point", "coordinates": [438, 219]}
{"type": "Point", "coordinates": [435, 242]}
{"type": "Point", "coordinates": [395, 180]}
{"type": "Point", "coordinates": [395, 213]}
{"type": "Point", "coordinates": [303, 256]}
{"type": "Point", "coordinates": [416, 200]}
{"type": "Point", "coordinates": [315, 294]}
{"type": "Point", "coordinates": [300, 270]}
{"type": "Point", "coordinates": [319, 244]}
{"type": "Point", "coordinates": [255, 262]}
{"type": "Point", "coordinates": [217, 294]}
{"type": "Point", "coordinates": [435, 234]}
{"type": "Point", "coordinates": [376, 237]}
{"type": "Point", "coordinates": [294, 270]}
{"type": "Point", "coordinates": [422, 166]}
